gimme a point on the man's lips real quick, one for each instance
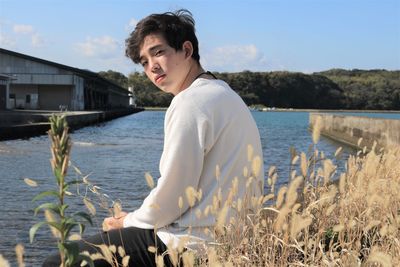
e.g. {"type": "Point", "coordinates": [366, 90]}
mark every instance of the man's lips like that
{"type": "Point", "coordinates": [159, 78]}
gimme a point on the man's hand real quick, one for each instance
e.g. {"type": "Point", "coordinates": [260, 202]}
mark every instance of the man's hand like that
{"type": "Point", "coordinates": [111, 223]}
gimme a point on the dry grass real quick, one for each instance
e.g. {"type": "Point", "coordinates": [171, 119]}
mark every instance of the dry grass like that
{"type": "Point", "coordinates": [313, 221]}
{"type": "Point", "coordinates": [350, 222]}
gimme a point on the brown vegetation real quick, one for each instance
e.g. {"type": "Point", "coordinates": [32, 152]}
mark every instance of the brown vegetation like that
{"type": "Point", "coordinates": [312, 221]}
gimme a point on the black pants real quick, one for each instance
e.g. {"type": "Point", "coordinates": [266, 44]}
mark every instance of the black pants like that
{"type": "Point", "coordinates": [134, 240]}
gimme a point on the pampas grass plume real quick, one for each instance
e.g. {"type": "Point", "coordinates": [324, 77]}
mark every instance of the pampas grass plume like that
{"type": "Point", "coordinates": [256, 166]}
{"type": "Point", "coordinates": [152, 249]}
{"type": "Point", "coordinates": [188, 259]}
{"type": "Point", "coordinates": [380, 257]}
{"type": "Point", "coordinates": [281, 196]}
{"type": "Point", "coordinates": [245, 171]}
{"type": "Point", "coordinates": [75, 237]}
{"type": "Point", "coordinates": [4, 262]}
{"type": "Point", "coordinates": [317, 130]}
{"type": "Point", "coordinates": [30, 182]}
{"type": "Point", "coordinates": [125, 261]}
{"type": "Point", "coordinates": [297, 224]}
{"type": "Point", "coordinates": [338, 152]}
{"type": "Point", "coordinates": [149, 180]}
{"type": "Point", "coordinates": [89, 206]}
{"type": "Point", "coordinates": [50, 218]}
{"type": "Point", "coordinates": [303, 164]}
{"type": "Point", "coordinates": [191, 195]}
{"type": "Point", "coordinates": [221, 219]}
{"type": "Point", "coordinates": [106, 253]}
{"type": "Point", "coordinates": [180, 202]}
{"type": "Point", "coordinates": [295, 159]}
{"type": "Point", "coordinates": [160, 261]}
{"type": "Point", "coordinates": [250, 151]}
{"type": "Point", "coordinates": [19, 251]}
{"type": "Point", "coordinates": [117, 209]}
{"type": "Point", "coordinates": [121, 251]}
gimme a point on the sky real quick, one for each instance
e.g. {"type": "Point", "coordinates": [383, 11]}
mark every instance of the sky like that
{"type": "Point", "coordinates": [257, 35]}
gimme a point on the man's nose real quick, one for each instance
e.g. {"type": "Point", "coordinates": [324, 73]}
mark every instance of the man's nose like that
{"type": "Point", "coordinates": [154, 66]}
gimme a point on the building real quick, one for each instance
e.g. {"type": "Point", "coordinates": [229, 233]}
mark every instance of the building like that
{"type": "Point", "coordinates": [28, 82]}
{"type": "Point", "coordinates": [4, 91]}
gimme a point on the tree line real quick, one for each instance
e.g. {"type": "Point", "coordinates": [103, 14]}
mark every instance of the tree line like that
{"type": "Point", "coordinates": [332, 89]}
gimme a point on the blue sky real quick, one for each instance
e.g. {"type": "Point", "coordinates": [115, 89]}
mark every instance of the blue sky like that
{"type": "Point", "coordinates": [256, 35]}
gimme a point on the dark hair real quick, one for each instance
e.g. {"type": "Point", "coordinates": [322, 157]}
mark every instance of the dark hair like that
{"type": "Point", "coordinates": [176, 27]}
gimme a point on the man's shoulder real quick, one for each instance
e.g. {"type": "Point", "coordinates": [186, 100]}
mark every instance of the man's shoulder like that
{"type": "Point", "coordinates": [213, 104]}
{"type": "Point", "coordinates": [206, 96]}
{"type": "Point", "coordinates": [209, 90]}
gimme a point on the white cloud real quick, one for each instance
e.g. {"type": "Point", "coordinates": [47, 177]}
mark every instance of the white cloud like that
{"type": "Point", "coordinates": [234, 58]}
{"type": "Point", "coordinates": [23, 28]}
{"type": "Point", "coordinates": [103, 47]}
{"type": "Point", "coordinates": [6, 41]}
{"type": "Point", "coordinates": [131, 25]}
{"type": "Point", "coordinates": [19, 33]}
{"type": "Point", "coordinates": [37, 40]}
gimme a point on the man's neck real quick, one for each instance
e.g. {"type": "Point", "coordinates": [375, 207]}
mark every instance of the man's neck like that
{"type": "Point", "coordinates": [194, 70]}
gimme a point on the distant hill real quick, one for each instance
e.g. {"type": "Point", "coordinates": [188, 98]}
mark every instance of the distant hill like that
{"type": "Point", "coordinates": [367, 89]}
{"type": "Point", "coordinates": [332, 89]}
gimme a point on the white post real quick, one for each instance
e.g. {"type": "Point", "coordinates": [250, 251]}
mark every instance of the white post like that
{"type": "Point", "coordinates": [131, 97]}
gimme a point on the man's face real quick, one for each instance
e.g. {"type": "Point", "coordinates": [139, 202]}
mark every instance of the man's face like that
{"type": "Point", "coordinates": [163, 65]}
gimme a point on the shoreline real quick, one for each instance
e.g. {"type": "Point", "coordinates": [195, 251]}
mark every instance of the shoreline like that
{"type": "Point", "coordinates": [22, 124]}
{"type": "Point", "coordinates": [155, 108]}
{"type": "Point", "coordinates": [328, 110]}
{"type": "Point", "coordinates": [299, 110]}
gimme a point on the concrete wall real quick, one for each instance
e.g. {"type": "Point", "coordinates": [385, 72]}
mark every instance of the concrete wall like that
{"type": "Point", "coordinates": [23, 124]}
{"type": "Point", "coordinates": [23, 84]}
{"type": "Point", "coordinates": [20, 91]}
{"type": "Point", "coordinates": [52, 97]}
{"type": "Point", "coordinates": [27, 74]}
{"type": "Point", "coordinates": [349, 129]}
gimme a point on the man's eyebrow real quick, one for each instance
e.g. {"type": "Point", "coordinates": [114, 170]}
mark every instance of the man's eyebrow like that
{"type": "Point", "coordinates": [151, 49]}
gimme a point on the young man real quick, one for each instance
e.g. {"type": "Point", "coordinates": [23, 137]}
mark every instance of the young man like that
{"type": "Point", "coordinates": [208, 132]}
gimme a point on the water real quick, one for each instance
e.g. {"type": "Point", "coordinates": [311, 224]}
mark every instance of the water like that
{"type": "Point", "coordinates": [116, 154]}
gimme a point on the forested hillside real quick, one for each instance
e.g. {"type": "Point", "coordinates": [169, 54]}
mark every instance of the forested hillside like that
{"type": "Point", "coordinates": [332, 89]}
{"type": "Point", "coordinates": [367, 89]}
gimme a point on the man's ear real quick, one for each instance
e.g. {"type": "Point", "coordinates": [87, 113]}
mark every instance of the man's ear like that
{"type": "Point", "coordinates": [187, 48]}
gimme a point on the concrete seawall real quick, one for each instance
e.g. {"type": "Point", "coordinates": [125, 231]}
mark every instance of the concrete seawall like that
{"type": "Point", "coordinates": [25, 124]}
{"type": "Point", "coordinates": [349, 129]}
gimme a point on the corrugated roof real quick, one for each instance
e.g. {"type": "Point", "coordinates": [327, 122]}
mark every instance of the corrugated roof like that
{"type": "Point", "coordinates": [84, 73]}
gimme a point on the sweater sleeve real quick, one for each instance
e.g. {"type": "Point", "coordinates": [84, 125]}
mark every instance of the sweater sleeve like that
{"type": "Point", "coordinates": [180, 167]}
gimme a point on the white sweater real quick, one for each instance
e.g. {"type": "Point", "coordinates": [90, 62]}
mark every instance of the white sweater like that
{"type": "Point", "coordinates": [206, 125]}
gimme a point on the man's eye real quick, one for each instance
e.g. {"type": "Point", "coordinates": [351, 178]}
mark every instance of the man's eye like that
{"type": "Point", "coordinates": [143, 63]}
{"type": "Point", "coordinates": [159, 52]}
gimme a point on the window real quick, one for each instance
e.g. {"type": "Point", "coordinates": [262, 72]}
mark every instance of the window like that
{"type": "Point", "coordinates": [28, 99]}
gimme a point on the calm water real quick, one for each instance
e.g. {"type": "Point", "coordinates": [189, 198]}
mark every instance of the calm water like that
{"type": "Point", "coordinates": [116, 155]}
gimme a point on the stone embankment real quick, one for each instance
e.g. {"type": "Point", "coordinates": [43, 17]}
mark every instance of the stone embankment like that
{"type": "Point", "coordinates": [15, 124]}
{"type": "Point", "coordinates": [349, 129]}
